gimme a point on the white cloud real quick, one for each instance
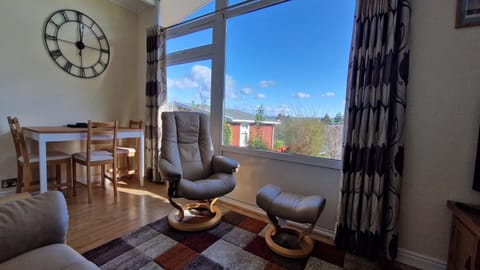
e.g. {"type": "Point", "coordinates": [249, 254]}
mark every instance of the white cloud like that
{"type": "Point", "coordinates": [182, 83]}
{"type": "Point", "coordinates": [274, 111]}
{"type": "Point", "coordinates": [202, 75]}
{"type": "Point", "coordinates": [200, 79]}
{"type": "Point", "coordinates": [328, 94]}
{"type": "Point", "coordinates": [230, 87]}
{"type": "Point", "coordinates": [247, 91]}
{"type": "Point", "coordinates": [266, 83]}
{"type": "Point", "coordinates": [260, 96]}
{"type": "Point", "coordinates": [302, 95]}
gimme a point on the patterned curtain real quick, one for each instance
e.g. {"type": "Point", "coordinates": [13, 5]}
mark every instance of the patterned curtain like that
{"type": "Point", "coordinates": [156, 96]}
{"type": "Point", "coordinates": [373, 154]}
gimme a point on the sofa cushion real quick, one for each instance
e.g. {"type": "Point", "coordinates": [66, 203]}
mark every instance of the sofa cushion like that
{"type": "Point", "coordinates": [56, 256]}
{"type": "Point", "coordinates": [32, 223]}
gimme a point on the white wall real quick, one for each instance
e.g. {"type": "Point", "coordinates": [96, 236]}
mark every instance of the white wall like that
{"type": "Point", "coordinates": [255, 172]}
{"type": "Point", "coordinates": [443, 117]}
{"type": "Point", "coordinates": [36, 90]}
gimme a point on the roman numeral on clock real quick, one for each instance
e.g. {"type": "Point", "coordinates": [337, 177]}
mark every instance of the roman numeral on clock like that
{"type": "Point", "coordinates": [55, 53]}
{"type": "Point", "coordinates": [67, 67]}
{"type": "Point", "coordinates": [82, 72]}
{"type": "Point", "coordinates": [50, 37]}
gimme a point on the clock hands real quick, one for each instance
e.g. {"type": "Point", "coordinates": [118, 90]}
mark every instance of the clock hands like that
{"type": "Point", "coordinates": [80, 32]}
{"type": "Point", "coordinates": [75, 43]}
{"type": "Point", "coordinates": [80, 44]}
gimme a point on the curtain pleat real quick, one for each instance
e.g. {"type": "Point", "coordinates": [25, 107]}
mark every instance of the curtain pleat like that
{"type": "Point", "coordinates": [156, 96]}
{"type": "Point", "coordinates": [373, 153]}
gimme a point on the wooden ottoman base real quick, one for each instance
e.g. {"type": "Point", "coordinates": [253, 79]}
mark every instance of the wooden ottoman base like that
{"type": "Point", "coordinates": [304, 245]}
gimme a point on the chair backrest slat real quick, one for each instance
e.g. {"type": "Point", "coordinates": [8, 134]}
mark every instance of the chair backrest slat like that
{"type": "Point", "coordinates": [102, 135]}
{"type": "Point", "coordinates": [18, 139]}
{"type": "Point", "coordinates": [135, 124]}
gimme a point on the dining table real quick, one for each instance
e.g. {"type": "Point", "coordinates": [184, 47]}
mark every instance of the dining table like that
{"type": "Point", "coordinates": [46, 134]}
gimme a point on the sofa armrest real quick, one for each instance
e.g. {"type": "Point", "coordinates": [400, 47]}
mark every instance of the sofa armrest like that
{"type": "Point", "coordinates": [30, 223]}
{"type": "Point", "coordinates": [15, 197]}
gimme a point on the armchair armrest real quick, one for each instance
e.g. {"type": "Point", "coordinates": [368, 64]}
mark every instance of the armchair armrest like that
{"type": "Point", "coordinates": [168, 171]}
{"type": "Point", "coordinates": [30, 223]}
{"type": "Point", "coordinates": [224, 164]}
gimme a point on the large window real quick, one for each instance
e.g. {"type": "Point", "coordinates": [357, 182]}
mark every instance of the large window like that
{"type": "Point", "coordinates": [289, 63]}
{"type": "Point", "coordinates": [271, 76]}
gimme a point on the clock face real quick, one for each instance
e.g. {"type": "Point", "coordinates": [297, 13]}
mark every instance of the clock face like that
{"type": "Point", "coordinates": [76, 43]}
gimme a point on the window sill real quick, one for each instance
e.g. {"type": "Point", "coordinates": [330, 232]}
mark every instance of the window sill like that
{"type": "Point", "coordinates": [305, 160]}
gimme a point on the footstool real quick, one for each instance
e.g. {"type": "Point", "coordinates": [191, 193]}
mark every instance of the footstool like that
{"type": "Point", "coordinates": [286, 241]}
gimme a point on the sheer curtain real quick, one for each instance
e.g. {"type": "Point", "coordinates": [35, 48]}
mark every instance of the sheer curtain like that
{"type": "Point", "coordinates": [375, 115]}
{"type": "Point", "coordinates": [156, 96]}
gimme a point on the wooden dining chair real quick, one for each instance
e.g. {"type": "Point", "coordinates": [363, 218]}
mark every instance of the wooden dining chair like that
{"type": "Point", "coordinates": [26, 161]}
{"type": "Point", "coordinates": [100, 151]}
{"type": "Point", "coordinates": [128, 151]}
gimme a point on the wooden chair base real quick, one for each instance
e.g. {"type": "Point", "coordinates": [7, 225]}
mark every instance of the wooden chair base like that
{"type": "Point", "coordinates": [192, 222]}
{"type": "Point", "coordinates": [305, 244]}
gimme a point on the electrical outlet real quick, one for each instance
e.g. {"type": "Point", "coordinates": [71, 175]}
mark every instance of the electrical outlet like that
{"type": "Point", "coordinates": [8, 183]}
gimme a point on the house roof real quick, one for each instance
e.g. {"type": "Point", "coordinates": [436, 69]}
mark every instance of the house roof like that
{"type": "Point", "coordinates": [231, 115]}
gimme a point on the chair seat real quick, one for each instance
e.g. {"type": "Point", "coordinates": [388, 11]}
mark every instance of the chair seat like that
{"type": "Point", "coordinates": [126, 150]}
{"type": "Point", "coordinates": [216, 185]}
{"type": "Point", "coordinates": [95, 156]}
{"type": "Point", "coordinates": [53, 155]}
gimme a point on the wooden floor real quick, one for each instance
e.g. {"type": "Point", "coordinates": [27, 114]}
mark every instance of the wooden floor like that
{"type": "Point", "coordinates": [91, 225]}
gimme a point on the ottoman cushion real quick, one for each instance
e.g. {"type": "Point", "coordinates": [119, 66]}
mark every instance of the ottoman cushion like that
{"type": "Point", "coordinates": [299, 208]}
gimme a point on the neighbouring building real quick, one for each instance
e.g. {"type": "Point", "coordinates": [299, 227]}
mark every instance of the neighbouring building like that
{"type": "Point", "coordinates": [242, 124]}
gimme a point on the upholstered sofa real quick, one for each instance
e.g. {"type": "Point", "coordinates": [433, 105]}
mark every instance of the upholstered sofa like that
{"type": "Point", "coordinates": [33, 231]}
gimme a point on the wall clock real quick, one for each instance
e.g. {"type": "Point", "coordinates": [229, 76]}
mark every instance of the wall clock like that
{"type": "Point", "coordinates": [76, 43]}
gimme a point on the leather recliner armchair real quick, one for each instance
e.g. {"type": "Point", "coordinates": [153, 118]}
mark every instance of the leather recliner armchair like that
{"type": "Point", "coordinates": [193, 171]}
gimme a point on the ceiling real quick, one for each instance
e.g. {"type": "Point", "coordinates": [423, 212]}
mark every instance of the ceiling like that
{"type": "Point", "coordinates": [171, 11]}
{"type": "Point", "coordinates": [136, 6]}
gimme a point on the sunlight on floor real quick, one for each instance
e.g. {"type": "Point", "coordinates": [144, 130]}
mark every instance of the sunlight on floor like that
{"type": "Point", "coordinates": [140, 192]}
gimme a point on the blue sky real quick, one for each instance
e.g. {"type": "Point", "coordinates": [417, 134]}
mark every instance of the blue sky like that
{"type": "Point", "coordinates": [292, 58]}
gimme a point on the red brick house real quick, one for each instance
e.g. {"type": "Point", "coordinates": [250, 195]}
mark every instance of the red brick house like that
{"type": "Point", "coordinates": [242, 124]}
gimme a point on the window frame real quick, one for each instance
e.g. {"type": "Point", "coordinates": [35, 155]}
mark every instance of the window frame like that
{"type": "Point", "coordinates": [216, 53]}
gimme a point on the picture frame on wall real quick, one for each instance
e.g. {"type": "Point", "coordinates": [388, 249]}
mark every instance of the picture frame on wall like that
{"type": "Point", "coordinates": [468, 13]}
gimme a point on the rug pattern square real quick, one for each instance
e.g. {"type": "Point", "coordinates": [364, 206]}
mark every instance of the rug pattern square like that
{"type": "Point", "coordinates": [237, 242]}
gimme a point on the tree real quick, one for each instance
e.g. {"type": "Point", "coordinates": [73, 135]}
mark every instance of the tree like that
{"type": "Point", "coordinates": [227, 134]}
{"type": "Point", "coordinates": [302, 135]}
{"type": "Point", "coordinates": [256, 141]}
{"type": "Point", "coordinates": [327, 120]}
{"type": "Point", "coordinates": [338, 118]}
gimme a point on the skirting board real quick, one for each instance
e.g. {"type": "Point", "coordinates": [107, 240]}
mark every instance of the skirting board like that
{"type": "Point", "coordinates": [404, 256]}
{"type": "Point", "coordinates": [419, 260]}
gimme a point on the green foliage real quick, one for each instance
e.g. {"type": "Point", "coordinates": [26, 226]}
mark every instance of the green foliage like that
{"type": "Point", "coordinates": [302, 135]}
{"type": "Point", "coordinates": [227, 134]}
{"type": "Point", "coordinates": [257, 143]}
{"type": "Point", "coordinates": [260, 115]}
{"type": "Point", "coordinates": [338, 118]}
{"type": "Point", "coordinates": [278, 144]}
{"type": "Point", "coordinates": [327, 119]}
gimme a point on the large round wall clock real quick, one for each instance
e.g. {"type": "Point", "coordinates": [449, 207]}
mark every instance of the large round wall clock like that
{"type": "Point", "coordinates": [76, 43]}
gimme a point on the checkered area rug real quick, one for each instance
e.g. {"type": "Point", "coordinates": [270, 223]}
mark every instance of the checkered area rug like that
{"type": "Point", "coordinates": [237, 242]}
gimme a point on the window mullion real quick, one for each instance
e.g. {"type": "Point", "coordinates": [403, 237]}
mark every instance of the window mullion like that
{"type": "Point", "coordinates": [218, 77]}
